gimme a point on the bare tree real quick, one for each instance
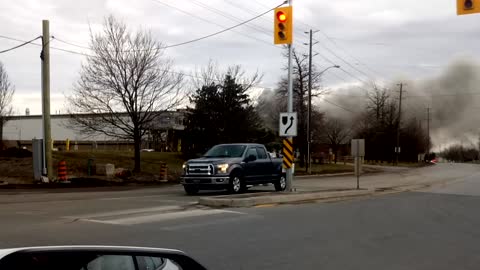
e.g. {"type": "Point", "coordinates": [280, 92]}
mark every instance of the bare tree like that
{"type": "Point", "coordinates": [336, 133]}
{"type": "Point", "coordinates": [377, 106]}
{"type": "Point", "coordinates": [124, 85]}
{"type": "Point", "coordinates": [212, 74]}
{"type": "Point", "coordinates": [6, 94]}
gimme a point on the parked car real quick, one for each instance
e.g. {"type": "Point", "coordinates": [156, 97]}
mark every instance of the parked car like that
{"type": "Point", "coordinates": [232, 167]}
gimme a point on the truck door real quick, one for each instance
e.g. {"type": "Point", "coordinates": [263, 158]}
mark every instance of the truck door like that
{"type": "Point", "coordinates": [251, 167]}
{"type": "Point", "coordinates": [264, 165]}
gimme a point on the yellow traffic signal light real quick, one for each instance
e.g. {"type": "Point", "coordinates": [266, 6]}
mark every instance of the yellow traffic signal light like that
{"type": "Point", "coordinates": [283, 25]}
{"type": "Point", "coordinates": [468, 7]}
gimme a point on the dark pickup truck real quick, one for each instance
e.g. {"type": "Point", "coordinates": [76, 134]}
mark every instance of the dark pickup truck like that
{"type": "Point", "coordinates": [232, 167]}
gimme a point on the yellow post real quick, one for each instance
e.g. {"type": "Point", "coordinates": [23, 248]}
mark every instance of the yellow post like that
{"type": "Point", "coordinates": [67, 145]}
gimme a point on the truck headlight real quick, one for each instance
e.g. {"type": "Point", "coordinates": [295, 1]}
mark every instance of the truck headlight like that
{"type": "Point", "coordinates": [184, 166]}
{"type": "Point", "coordinates": [222, 168]}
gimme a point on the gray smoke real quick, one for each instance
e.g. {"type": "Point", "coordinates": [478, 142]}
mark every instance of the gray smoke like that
{"type": "Point", "coordinates": [453, 96]}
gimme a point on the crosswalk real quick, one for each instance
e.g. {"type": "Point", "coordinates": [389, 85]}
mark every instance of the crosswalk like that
{"type": "Point", "coordinates": [150, 215]}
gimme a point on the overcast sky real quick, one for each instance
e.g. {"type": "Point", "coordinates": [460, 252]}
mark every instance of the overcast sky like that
{"type": "Point", "coordinates": [371, 39]}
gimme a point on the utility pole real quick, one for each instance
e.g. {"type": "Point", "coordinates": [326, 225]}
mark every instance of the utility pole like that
{"type": "Point", "coordinates": [309, 121]}
{"type": "Point", "coordinates": [428, 130]}
{"type": "Point", "coordinates": [289, 171]}
{"type": "Point", "coordinates": [47, 134]}
{"type": "Point", "coordinates": [397, 150]}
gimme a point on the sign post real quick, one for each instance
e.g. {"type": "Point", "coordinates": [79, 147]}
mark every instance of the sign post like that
{"type": "Point", "coordinates": [288, 128]}
{"type": "Point", "coordinates": [358, 152]}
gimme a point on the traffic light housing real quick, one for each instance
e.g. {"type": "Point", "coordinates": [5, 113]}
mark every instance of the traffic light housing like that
{"type": "Point", "coordinates": [283, 25]}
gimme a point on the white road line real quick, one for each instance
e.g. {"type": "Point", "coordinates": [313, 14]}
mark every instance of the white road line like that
{"type": "Point", "coordinates": [131, 197]}
{"type": "Point", "coordinates": [162, 216]}
{"type": "Point", "coordinates": [127, 212]}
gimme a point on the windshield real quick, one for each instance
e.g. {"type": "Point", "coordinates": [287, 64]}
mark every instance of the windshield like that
{"type": "Point", "coordinates": [226, 151]}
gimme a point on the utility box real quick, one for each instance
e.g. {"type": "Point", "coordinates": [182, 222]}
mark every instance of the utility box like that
{"type": "Point", "coordinates": [37, 153]}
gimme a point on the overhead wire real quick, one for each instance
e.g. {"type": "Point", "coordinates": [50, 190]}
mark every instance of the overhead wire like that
{"type": "Point", "coordinates": [339, 106]}
{"type": "Point", "coordinates": [192, 40]}
{"type": "Point", "coordinates": [333, 42]}
{"type": "Point", "coordinates": [20, 45]}
{"type": "Point", "coordinates": [219, 25]}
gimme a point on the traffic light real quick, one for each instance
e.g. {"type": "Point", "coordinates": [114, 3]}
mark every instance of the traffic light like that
{"type": "Point", "coordinates": [283, 25]}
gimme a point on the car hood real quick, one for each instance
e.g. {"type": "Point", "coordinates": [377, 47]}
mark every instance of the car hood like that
{"type": "Point", "coordinates": [215, 160]}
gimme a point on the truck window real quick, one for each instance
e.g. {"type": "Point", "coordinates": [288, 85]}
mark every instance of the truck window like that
{"type": "Point", "coordinates": [252, 151]}
{"type": "Point", "coordinates": [261, 153]}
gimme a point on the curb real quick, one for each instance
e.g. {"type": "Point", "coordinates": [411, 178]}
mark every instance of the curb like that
{"type": "Point", "coordinates": [232, 201]}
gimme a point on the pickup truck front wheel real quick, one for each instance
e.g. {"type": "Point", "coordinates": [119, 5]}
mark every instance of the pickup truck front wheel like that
{"type": "Point", "coordinates": [236, 185]}
{"type": "Point", "coordinates": [281, 184]}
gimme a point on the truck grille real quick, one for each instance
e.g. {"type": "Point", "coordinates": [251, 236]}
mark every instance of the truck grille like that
{"type": "Point", "coordinates": [200, 169]}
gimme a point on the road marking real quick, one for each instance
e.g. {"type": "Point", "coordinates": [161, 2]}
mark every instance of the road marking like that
{"type": "Point", "coordinates": [160, 216]}
{"type": "Point", "coordinates": [131, 197]}
{"type": "Point", "coordinates": [127, 212]}
{"type": "Point", "coordinates": [266, 205]}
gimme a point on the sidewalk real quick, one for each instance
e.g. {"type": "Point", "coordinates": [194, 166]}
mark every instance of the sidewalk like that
{"type": "Point", "coordinates": [394, 179]}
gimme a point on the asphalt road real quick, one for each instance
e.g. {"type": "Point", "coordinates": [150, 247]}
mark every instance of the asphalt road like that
{"type": "Point", "coordinates": [432, 229]}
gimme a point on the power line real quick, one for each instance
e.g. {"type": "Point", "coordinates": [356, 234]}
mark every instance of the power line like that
{"type": "Point", "coordinates": [196, 39]}
{"type": "Point", "coordinates": [346, 62]}
{"type": "Point", "coordinates": [219, 25]}
{"type": "Point", "coordinates": [230, 17]}
{"type": "Point", "coordinates": [72, 44]}
{"type": "Point", "coordinates": [331, 40]}
{"type": "Point", "coordinates": [347, 53]}
{"type": "Point", "coordinates": [21, 45]}
{"type": "Point", "coordinates": [296, 40]}
{"type": "Point", "coordinates": [339, 106]}
{"type": "Point", "coordinates": [342, 69]}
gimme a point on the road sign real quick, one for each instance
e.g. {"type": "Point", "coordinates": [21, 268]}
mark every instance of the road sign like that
{"type": "Point", "coordinates": [288, 154]}
{"type": "Point", "coordinates": [358, 151]}
{"type": "Point", "coordinates": [288, 124]}
{"type": "Point", "coordinates": [465, 7]}
{"type": "Point", "coordinates": [358, 147]}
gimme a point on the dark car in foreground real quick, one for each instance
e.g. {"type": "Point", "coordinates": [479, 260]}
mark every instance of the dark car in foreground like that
{"type": "Point", "coordinates": [232, 167]}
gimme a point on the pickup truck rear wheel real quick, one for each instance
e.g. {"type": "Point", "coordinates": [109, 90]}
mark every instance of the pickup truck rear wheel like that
{"type": "Point", "coordinates": [281, 184]}
{"type": "Point", "coordinates": [190, 190]}
{"type": "Point", "coordinates": [236, 185]}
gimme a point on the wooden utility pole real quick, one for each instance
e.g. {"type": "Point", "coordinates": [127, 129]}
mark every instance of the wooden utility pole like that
{"type": "Point", "coordinates": [428, 130]}
{"type": "Point", "coordinates": [309, 121]}
{"type": "Point", "coordinates": [47, 133]}
{"type": "Point", "coordinates": [397, 149]}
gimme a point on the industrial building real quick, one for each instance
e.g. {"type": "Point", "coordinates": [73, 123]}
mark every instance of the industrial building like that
{"type": "Point", "coordinates": [165, 133]}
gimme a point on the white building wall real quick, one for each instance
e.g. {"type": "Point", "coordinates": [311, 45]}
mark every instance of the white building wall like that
{"type": "Point", "coordinates": [30, 128]}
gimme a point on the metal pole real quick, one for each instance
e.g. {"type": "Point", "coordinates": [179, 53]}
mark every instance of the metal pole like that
{"type": "Point", "coordinates": [357, 160]}
{"type": "Point", "coordinates": [47, 135]}
{"type": "Point", "coordinates": [289, 184]}
{"type": "Point", "coordinates": [309, 121]}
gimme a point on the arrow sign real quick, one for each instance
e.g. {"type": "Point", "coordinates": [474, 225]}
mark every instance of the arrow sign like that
{"type": "Point", "coordinates": [288, 124]}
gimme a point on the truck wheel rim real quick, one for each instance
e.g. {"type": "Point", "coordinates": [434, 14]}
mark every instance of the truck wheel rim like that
{"type": "Point", "coordinates": [236, 184]}
{"type": "Point", "coordinates": [283, 182]}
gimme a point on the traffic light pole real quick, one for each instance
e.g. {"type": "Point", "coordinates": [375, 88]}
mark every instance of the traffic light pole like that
{"type": "Point", "coordinates": [289, 182]}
